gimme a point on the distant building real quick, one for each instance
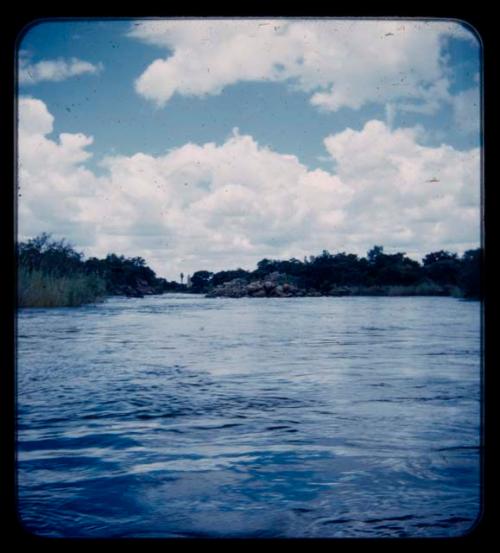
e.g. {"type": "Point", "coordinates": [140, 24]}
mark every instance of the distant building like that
{"type": "Point", "coordinates": [188, 281]}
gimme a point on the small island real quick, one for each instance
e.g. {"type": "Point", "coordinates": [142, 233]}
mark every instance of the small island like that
{"type": "Point", "coordinates": [52, 273]}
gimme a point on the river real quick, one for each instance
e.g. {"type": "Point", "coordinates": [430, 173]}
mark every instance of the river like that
{"type": "Point", "coordinates": [184, 416]}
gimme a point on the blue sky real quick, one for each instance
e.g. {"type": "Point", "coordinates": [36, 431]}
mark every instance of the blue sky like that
{"type": "Point", "coordinates": [345, 121]}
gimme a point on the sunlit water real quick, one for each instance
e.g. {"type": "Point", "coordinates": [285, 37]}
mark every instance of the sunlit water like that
{"type": "Point", "coordinates": [179, 415]}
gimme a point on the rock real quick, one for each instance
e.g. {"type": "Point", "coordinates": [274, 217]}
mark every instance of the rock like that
{"type": "Point", "coordinates": [269, 285]}
{"type": "Point", "coordinates": [275, 276]}
{"type": "Point", "coordinates": [233, 289]}
{"type": "Point", "coordinates": [259, 294]}
{"type": "Point", "coordinates": [275, 286]}
{"type": "Point", "coordinates": [254, 287]}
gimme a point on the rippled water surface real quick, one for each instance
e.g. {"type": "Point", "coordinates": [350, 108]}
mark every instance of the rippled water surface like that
{"type": "Point", "coordinates": [179, 415]}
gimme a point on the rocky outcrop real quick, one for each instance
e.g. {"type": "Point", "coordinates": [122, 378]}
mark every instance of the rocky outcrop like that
{"type": "Point", "coordinates": [275, 285]}
{"type": "Point", "coordinates": [279, 285]}
{"type": "Point", "coordinates": [236, 288]}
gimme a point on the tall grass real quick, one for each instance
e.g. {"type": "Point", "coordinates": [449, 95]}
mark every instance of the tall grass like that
{"type": "Point", "coordinates": [40, 289]}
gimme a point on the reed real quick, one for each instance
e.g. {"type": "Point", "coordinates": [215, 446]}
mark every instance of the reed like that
{"type": "Point", "coordinates": [40, 289]}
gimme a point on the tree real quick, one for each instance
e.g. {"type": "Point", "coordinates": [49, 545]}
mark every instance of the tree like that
{"type": "Point", "coordinates": [200, 281]}
{"type": "Point", "coordinates": [470, 276]}
{"type": "Point", "coordinates": [375, 253]}
{"type": "Point", "coordinates": [442, 267]}
{"type": "Point", "coordinates": [56, 257]}
{"type": "Point", "coordinates": [436, 257]}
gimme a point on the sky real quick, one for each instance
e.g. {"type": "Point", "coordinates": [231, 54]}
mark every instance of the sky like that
{"type": "Point", "coordinates": [210, 144]}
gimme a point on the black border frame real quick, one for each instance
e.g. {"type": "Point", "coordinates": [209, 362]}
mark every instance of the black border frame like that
{"type": "Point", "coordinates": [14, 27]}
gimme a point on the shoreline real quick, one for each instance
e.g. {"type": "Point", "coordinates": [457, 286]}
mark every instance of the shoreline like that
{"type": "Point", "coordinates": [187, 294]}
{"type": "Point", "coordinates": [280, 288]}
{"type": "Point", "coordinates": [52, 274]}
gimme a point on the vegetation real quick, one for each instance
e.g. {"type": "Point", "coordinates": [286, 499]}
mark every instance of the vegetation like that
{"type": "Point", "coordinates": [39, 289]}
{"type": "Point", "coordinates": [441, 273]}
{"type": "Point", "coordinates": [52, 273]}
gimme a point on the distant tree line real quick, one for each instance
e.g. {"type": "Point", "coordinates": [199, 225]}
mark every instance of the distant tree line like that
{"type": "Point", "coordinates": [440, 273]}
{"type": "Point", "coordinates": [51, 272]}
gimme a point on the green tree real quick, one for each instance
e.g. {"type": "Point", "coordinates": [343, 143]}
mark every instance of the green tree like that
{"type": "Point", "coordinates": [470, 276]}
{"type": "Point", "coordinates": [200, 282]}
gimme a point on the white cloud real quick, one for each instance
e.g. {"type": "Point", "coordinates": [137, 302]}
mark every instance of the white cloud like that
{"type": "Point", "coordinates": [218, 206]}
{"type": "Point", "coordinates": [34, 117]}
{"type": "Point", "coordinates": [340, 63]}
{"type": "Point", "coordinates": [55, 70]}
{"type": "Point", "coordinates": [408, 195]}
{"type": "Point", "coordinates": [52, 178]}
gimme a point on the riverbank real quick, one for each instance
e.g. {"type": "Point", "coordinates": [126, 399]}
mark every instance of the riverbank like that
{"type": "Point", "coordinates": [51, 273]}
{"type": "Point", "coordinates": [276, 286]}
{"type": "Point", "coordinates": [440, 274]}
{"type": "Point", "coordinates": [39, 289]}
{"type": "Point", "coordinates": [54, 274]}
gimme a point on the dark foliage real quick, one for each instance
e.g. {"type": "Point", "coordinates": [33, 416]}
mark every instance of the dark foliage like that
{"type": "Point", "coordinates": [52, 260]}
{"type": "Point", "coordinates": [441, 272]}
{"type": "Point", "coordinates": [442, 267]}
{"type": "Point", "coordinates": [469, 276]}
{"type": "Point", "coordinates": [56, 257]}
{"type": "Point", "coordinates": [121, 273]}
{"type": "Point", "coordinates": [200, 281]}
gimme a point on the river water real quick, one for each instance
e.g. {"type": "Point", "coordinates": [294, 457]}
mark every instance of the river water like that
{"type": "Point", "coordinates": [183, 416]}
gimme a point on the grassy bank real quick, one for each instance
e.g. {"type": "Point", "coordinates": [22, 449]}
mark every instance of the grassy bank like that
{"type": "Point", "coordinates": [51, 273]}
{"type": "Point", "coordinates": [39, 289]}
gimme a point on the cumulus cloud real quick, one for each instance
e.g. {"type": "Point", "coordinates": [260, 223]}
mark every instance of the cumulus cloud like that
{"type": "Point", "coordinates": [34, 117]}
{"type": "Point", "coordinates": [55, 70]}
{"type": "Point", "coordinates": [52, 178]}
{"type": "Point", "coordinates": [340, 63]}
{"type": "Point", "coordinates": [407, 195]}
{"type": "Point", "coordinates": [225, 205]}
